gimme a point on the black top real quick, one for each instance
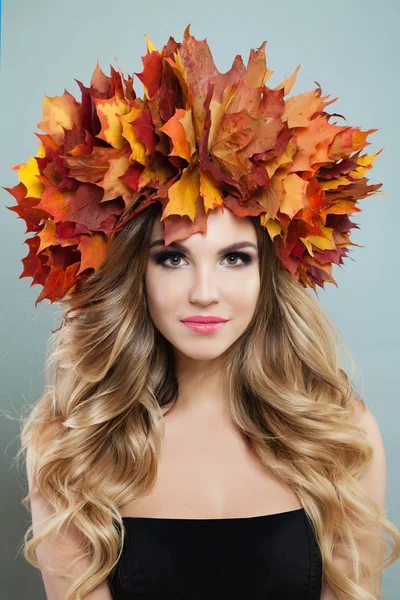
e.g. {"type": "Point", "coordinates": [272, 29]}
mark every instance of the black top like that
{"type": "Point", "coordinates": [267, 557]}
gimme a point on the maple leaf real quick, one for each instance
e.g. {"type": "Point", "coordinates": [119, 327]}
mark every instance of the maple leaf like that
{"type": "Point", "coordinates": [198, 140]}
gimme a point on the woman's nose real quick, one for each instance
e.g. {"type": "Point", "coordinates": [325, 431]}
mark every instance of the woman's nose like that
{"type": "Point", "coordinates": [204, 286]}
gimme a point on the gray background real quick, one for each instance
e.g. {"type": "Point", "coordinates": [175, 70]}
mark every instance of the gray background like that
{"type": "Point", "coordinates": [350, 48]}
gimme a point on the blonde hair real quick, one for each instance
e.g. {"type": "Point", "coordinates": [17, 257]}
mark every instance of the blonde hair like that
{"type": "Point", "coordinates": [109, 372]}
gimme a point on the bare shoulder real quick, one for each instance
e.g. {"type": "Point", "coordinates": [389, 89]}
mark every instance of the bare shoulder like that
{"type": "Point", "coordinates": [373, 479]}
{"type": "Point", "coordinates": [62, 553]}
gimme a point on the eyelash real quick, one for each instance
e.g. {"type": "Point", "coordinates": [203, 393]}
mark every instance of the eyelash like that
{"type": "Point", "coordinates": [162, 256]}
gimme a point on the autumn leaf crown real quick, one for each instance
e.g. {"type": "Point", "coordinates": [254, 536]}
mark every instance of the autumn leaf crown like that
{"type": "Point", "coordinates": [197, 140]}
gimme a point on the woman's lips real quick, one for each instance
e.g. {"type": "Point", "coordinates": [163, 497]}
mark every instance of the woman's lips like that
{"type": "Point", "coordinates": [204, 327]}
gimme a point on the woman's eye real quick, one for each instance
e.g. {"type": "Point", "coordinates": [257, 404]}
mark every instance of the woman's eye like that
{"type": "Point", "coordinates": [175, 257]}
{"type": "Point", "coordinates": [235, 256]}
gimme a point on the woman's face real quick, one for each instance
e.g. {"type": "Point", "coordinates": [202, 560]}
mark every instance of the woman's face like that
{"type": "Point", "coordinates": [202, 276]}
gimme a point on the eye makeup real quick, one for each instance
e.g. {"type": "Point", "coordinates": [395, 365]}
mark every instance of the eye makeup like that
{"type": "Point", "coordinates": [160, 258]}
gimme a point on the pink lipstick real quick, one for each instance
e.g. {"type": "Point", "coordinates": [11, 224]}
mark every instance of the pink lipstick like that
{"type": "Point", "coordinates": [204, 327]}
{"type": "Point", "coordinates": [203, 324]}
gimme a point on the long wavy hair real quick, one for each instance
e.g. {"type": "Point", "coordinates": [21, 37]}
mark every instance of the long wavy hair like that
{"type": "Point", "coordinates": [109, 372]}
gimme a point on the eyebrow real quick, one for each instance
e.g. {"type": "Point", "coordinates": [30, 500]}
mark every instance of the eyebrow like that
{"type": "Point", "coordinates": [225, 250]}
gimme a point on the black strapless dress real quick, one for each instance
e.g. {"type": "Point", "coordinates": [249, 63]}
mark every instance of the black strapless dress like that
{"type": "Point", "coordinates": [269, 557]}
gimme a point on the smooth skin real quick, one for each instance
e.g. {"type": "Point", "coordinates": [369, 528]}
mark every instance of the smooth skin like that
{"type": "Point", "coordinates": [206, 469]}
{"type": "Point", "coordinates": [201, 281]}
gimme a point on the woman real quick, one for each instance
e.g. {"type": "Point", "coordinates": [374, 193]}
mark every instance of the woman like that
{"type": "Point", "coordinates": [178, 459]}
